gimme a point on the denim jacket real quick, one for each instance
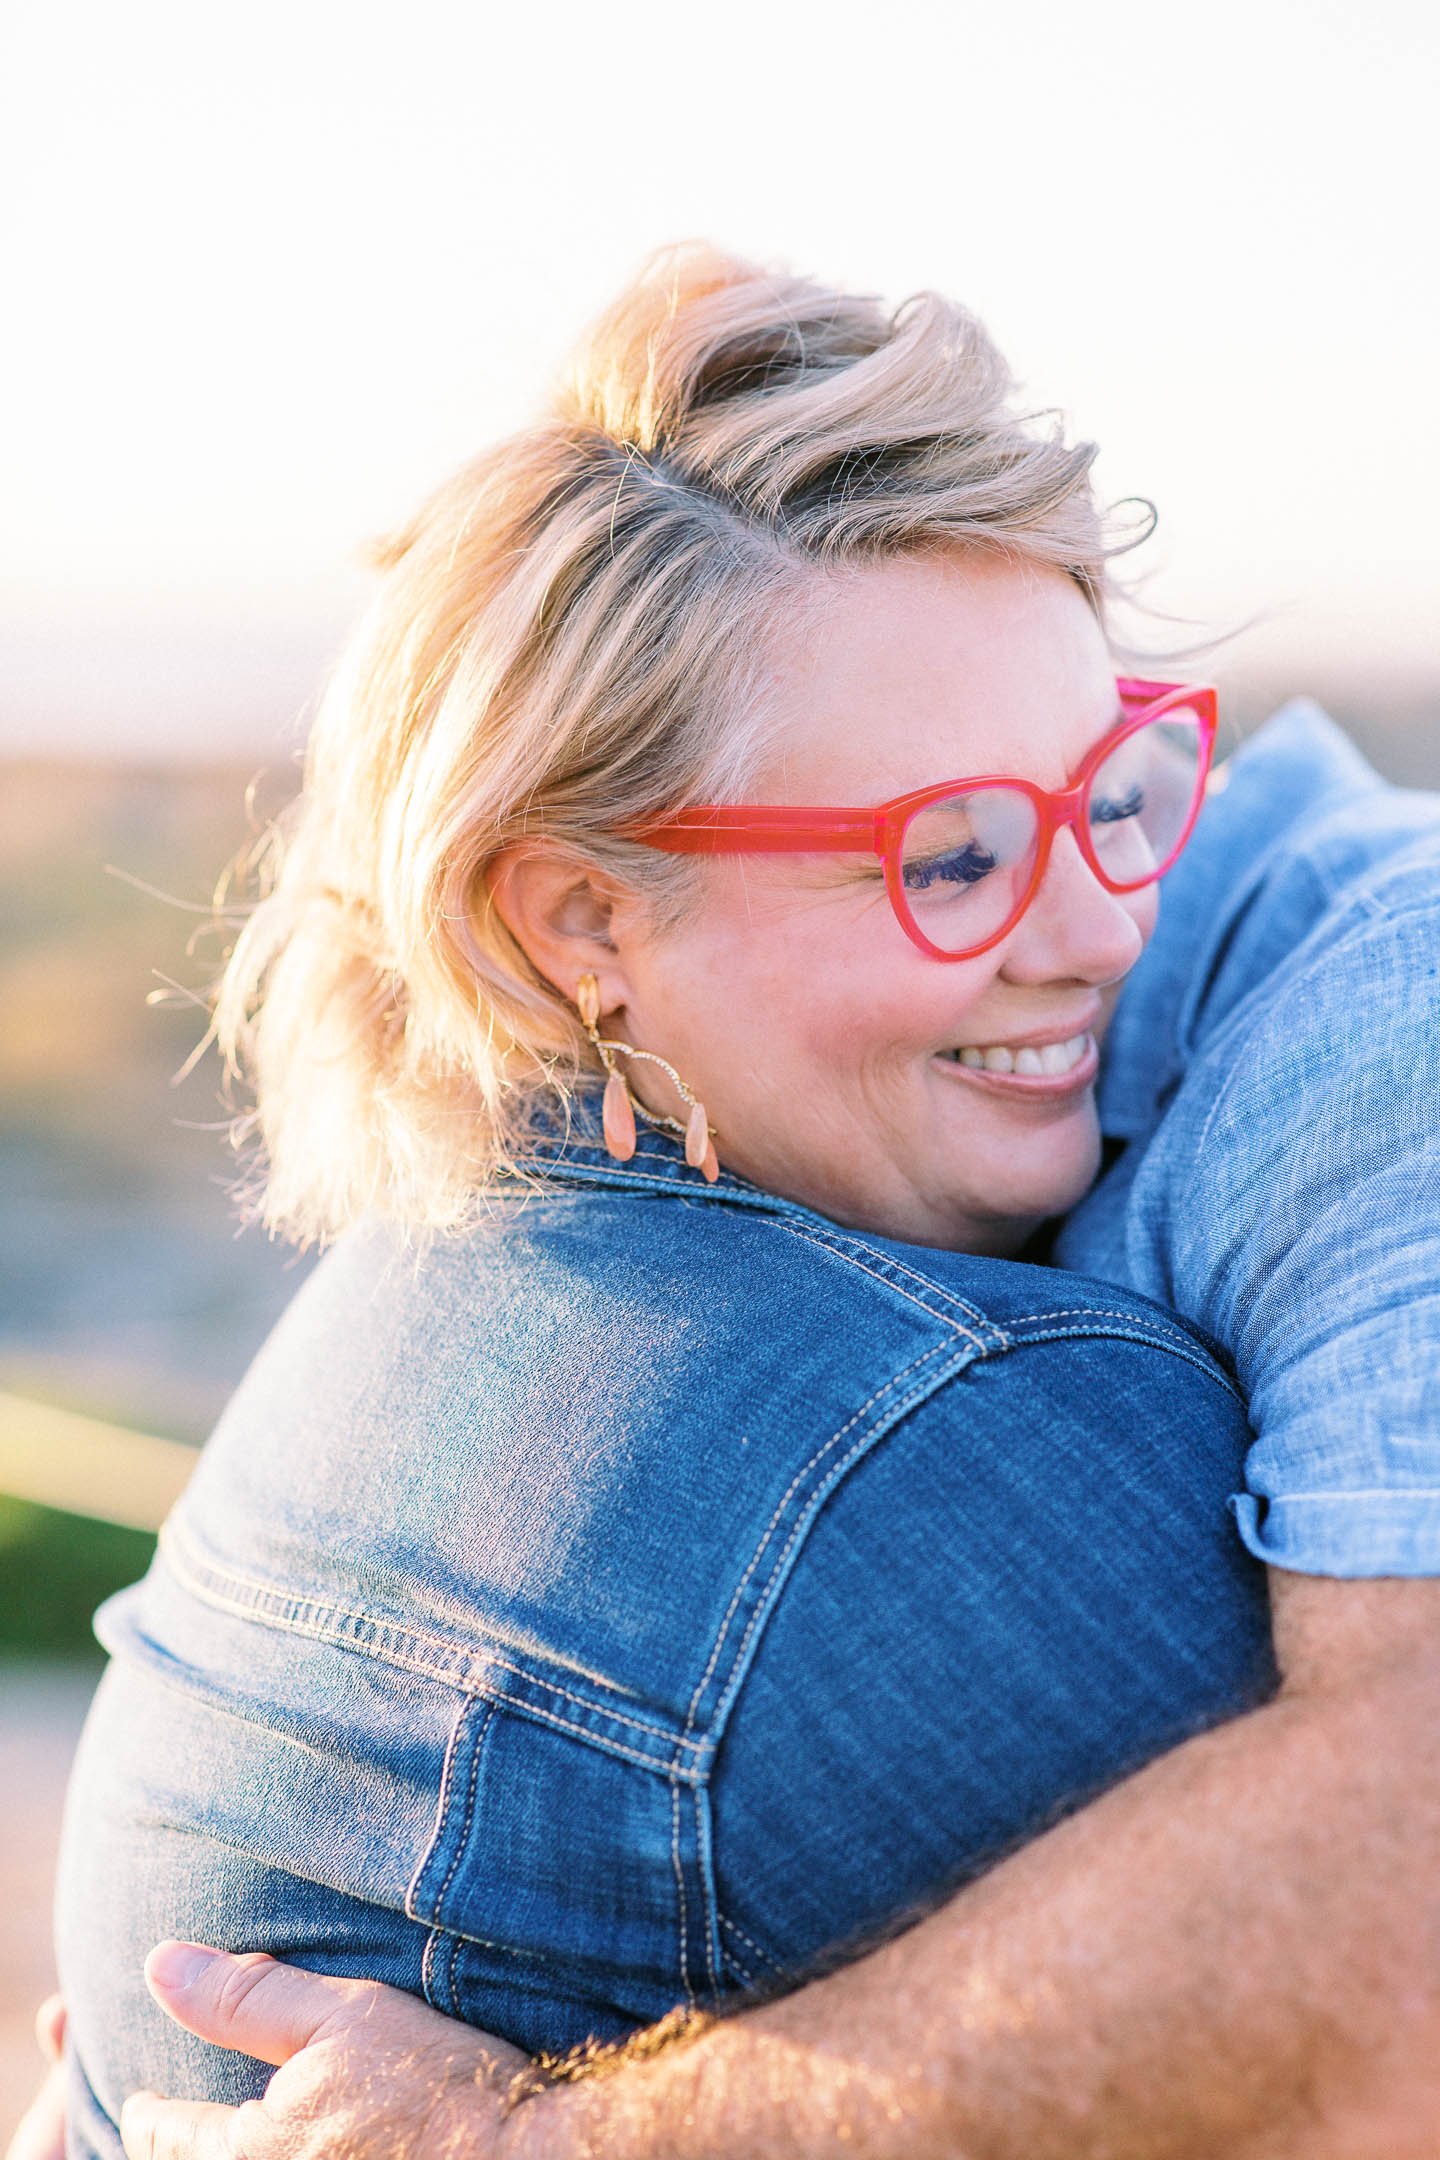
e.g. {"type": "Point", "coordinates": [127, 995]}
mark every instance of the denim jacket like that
{"type": "Point", "coordinates": [628, 1602]}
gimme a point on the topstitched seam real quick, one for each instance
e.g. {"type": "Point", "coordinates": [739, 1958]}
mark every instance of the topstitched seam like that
{"type": "Point", "coordinates": [792, 1488]}
{"type": "Point", "coordinates": [1099, 1312]}
{"type": "Point", "coordinates": [207, 1581]}
{"type": "Point", "coordinates": [683, 1915]}
{"type": "Point", "coordinates": [468, 1816]}
{"type": "Point", "coordinates": [447, 1776]}
{"type": "Point", "coordinates": [750, 1943]}
{"type": "Point", "coordinates": [705, 1890]}
{"type": "Point", "coordinates": [828, 1484]}
{"type": "Point", "coordinates": [844, 1251]}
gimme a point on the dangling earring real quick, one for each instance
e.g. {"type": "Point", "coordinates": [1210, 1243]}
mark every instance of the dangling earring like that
{"type": "Point", "coordinates": [621, 1104]}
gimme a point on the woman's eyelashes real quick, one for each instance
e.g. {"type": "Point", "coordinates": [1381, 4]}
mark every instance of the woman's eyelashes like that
{"type": "Point", "coordinates": [1110, 809]}
{"type": "Point", "coordinates": [954, 866]}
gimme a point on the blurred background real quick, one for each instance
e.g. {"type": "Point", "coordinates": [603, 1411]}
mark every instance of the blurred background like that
{"type": "Point", "coordinates": [271, 275]}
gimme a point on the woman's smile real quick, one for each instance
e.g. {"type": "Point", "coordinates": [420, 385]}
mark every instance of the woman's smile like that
{"type": "Point", "coordinates": [1040, 1068]}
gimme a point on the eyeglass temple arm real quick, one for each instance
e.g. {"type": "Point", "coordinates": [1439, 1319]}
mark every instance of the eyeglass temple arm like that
{"type": "Point", "coordinates": [759, 829]}
{"type": "Point", "coordinates": [1135, 690]}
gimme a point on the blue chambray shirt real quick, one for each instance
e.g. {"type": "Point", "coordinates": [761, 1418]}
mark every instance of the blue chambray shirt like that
{"type": "Point", "coordinates": [1272, 1077]}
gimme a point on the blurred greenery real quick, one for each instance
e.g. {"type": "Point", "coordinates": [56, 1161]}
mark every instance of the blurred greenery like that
{"type": "Point", "coordinates": [56, 1569]}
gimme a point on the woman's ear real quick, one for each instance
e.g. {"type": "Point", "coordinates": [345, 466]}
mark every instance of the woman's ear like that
{"type": "Point", "coordinates": [564, 913]}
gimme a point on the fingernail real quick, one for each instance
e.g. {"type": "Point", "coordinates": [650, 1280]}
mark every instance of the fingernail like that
{"type": "Point", "coordinates": [178, 1965]}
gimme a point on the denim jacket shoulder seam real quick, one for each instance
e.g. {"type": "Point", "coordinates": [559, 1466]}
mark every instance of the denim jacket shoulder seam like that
{"type": "Point", "coordinates": [671, 1176]}
{"type": "Point", "coordinates": [1134, 1323]}
{"type": "Point", "coordinates": [955, 1357]}
{"type": "Point", "coordinates": [883, 1268]}
{"type": "Point", "coordinates": [791, 1215]}
{"type": "Point", "coordinates": [1132, 1327]}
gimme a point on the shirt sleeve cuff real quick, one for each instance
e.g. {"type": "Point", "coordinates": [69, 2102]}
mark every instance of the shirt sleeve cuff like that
{"type": "Point", "coordinates": [1341, 1533]}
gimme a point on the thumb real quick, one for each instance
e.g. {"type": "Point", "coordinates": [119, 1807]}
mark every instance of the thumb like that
{"type": "Point", "coordinates": [250, 2003]}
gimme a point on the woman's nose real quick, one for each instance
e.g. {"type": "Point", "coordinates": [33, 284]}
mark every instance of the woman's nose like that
{"type": "Point", "coordinates": [1074, 930]}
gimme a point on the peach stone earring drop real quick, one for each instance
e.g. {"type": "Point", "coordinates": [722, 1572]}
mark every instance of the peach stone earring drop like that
{"type": "Point", "coordinates": [620, 1104]}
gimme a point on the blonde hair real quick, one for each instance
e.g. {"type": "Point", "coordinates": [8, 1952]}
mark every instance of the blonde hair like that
{"type": "Point", "coordinates": [564, 641]}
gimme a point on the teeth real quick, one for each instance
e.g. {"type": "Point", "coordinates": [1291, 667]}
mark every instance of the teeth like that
{"type": "Point", "coordinates": [1050, 1060]}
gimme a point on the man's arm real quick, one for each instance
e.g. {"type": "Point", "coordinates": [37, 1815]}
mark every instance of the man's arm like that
{"type": "Point", "coordinates": [1236, 1952]}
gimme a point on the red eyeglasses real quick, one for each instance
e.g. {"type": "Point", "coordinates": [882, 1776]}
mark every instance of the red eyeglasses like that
{"type": "Point", "coordinates": [964, 859]}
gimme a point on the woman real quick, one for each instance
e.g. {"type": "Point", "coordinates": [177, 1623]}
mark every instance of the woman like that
{"type": "Point", "coordinates": [649, 1557]}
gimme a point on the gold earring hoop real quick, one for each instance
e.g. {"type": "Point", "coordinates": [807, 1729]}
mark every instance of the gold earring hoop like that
{"type": "Point", "coordinates": [621, 1103]}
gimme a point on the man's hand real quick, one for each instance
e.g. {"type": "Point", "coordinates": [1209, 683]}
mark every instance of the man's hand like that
{"type": "Point", "coordinates": [41, 2136]}
{"type": "Point", "coordinates": [364, 2072]}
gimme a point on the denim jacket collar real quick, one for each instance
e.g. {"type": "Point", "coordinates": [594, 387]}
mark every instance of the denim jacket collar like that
{"type": "Point", "coordinates": [576, 1153]}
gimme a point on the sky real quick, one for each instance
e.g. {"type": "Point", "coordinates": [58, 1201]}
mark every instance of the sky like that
{"type": "Point", "coordinates": [273, 271]}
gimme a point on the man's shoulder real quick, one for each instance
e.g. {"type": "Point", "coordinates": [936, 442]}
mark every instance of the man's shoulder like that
{"type": "Point", "coordinates": [1351, 963]}
{"type": "Point", "coordinates": [1303, 842]}
{"type": "Point", "coordinates": [1309, 1075]}
{"type": "Point", "coordinates": [1306, 842]}
{"type": "Point", "coordinates": [1306, 1067]}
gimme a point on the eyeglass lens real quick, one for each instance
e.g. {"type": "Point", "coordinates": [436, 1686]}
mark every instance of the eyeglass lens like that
{"type": "Point", "coordinates": [1143, 797]}
{"type": "Point", "coordinates": [967, 861]}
